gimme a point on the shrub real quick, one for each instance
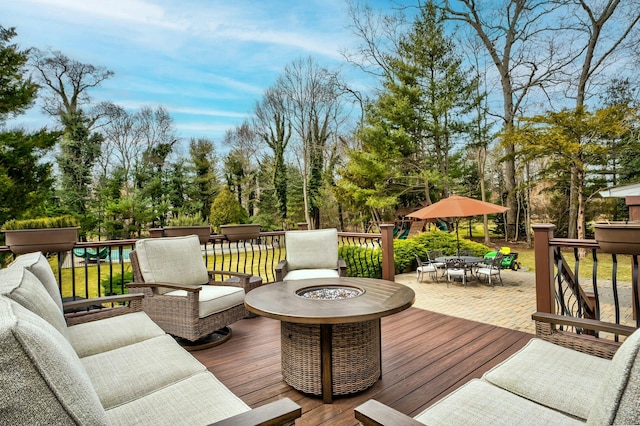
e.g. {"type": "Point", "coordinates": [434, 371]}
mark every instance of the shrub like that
{"type": "Point", "coordinates": [41, 223]}
{"type": "Point", "coordinates": [227, 210]}
{"type": "Point", "coordinates": [432, 240]}
{"type": "Point", "coordinates": [114, 285]}
{"type": "Point", "coordinates": [187, 220]}
{"type": "Point", "coordinates": [363, 262]}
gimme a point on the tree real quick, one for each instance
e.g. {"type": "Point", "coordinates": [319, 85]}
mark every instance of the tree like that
{"type": "Point", "coordinates": [312, 97]}
{"type": "Point", "coordinates": [575, 141]}
{"type": "Point", "coordinates": [416, 124]}
{"type": "Point", "coordinates": [226, 209]}
{"type": "Point", "coordinates": [273, 126]}
{"type": "Point", "coordinates": [66, 83]}
{"type": "Point", "coordinates": [26, 183]}
{"type": "Point", "coordinates": [17, 91]}
{"type": "Point", "coordinates": [202, 154]}
{"type": "Point", "coordinates": [79, 149]}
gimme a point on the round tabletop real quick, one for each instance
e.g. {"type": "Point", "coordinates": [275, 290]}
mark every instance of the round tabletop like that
{"type": "Point", "coordinates": [281, 301]}
{"type": "Point", "coordinates": [465, 259]}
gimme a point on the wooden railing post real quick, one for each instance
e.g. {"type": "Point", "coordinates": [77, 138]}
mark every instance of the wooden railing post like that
{"type": "Point", "coordinates": [545, 286]}
{"type": "Point", "coordinates": [388, 265]}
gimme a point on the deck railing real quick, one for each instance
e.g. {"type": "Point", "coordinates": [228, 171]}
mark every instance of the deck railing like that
{"type": "Point", "coordinates": [600, 306]}
{"type": "Point", "coordinates": [94, 269]}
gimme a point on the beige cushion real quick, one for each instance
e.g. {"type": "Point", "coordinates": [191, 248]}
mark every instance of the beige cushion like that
{"type": "Point", "coordinates": [111, 333]}
{"type": "Point", "coordinates": [303, 274]}
{"type": "Point", "coordinates": [41, 379]}
{"type": "Point", "coordinates": [125, 374]}
{"type": "Point", "coordinates": [618, 396]}
{"type": "Point", "coordinates": [23, 287]}
{"type": "Point", "coordinates": [481, 403]}
{"type": "Point", "coordinates": [314, 249]}
{"type": "Point", "coordinates": [214, 298]}
{"type": "Point", "coordinates": [175, 260]}
{"type": "Point", "coordinates": [38, 265]}
{"type": "Point", "coordinates": [542, 371]}
{"type": "Point", "coordinates": [198, 400]}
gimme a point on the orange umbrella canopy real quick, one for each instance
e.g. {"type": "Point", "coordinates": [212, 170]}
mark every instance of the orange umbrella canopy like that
{"type": "Point", "coordinates": [457, 206]}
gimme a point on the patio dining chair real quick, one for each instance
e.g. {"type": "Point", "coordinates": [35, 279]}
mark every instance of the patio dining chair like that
{"type": "Point", "coordinates": [181, 296]}
{"type": "Point", "coordinates": [456, 268]}
{"type": "Point", "coordinates": [491, 269]}
{"type": "Point", "coordinates": [425, 268]}
{"type": "Point", "coordinates": [432, 255]}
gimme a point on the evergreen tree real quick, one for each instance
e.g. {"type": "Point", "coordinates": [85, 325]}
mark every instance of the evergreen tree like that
{"type": "Point", "coordinates": [17, 91]}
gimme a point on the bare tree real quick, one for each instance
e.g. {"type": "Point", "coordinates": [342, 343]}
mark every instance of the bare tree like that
{"type": "Point", "coordinates": [518, 37]}
{"type": "Point", "coordinates": [66, 83]}
{"type": "Point", "coordinates": [273, 126]}
{"type": "Point", "coordinates": [313, 103]}
{"type": "Point", "coordinates": [606, 32]}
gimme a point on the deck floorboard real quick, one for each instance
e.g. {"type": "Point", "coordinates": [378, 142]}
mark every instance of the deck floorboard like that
{"type": "Point", "coordinates": [425, 355]}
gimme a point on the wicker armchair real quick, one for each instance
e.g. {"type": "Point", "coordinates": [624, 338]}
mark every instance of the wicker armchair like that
{"type": "Point", "coordinates": [311, 254]}
{"type": "Point", "coordinates": [180, 295]}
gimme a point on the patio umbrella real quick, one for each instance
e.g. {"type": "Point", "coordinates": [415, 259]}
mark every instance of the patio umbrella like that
{"type": "Point", "coordinates": [456, 206]}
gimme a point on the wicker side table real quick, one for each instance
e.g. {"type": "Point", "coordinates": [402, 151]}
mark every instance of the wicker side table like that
{"type": "Point", "coordinates": [330, 346]}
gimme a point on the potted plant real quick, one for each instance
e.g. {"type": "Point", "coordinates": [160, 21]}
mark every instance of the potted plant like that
{"type": "Point", "coordinates": [182, 225]}
{"type": "Point", "coordinates": [51, 234]}
{"type": "Point", "coordinates": [242, 231]}
{"type": "Point", "coordinates": [618, 237]}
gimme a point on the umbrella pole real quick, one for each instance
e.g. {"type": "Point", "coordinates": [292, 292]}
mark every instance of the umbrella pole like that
{"type": "Point", "coordinates": [457, 220]}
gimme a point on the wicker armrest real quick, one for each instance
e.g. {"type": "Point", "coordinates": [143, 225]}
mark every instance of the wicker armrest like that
{"type": "Point", "coordinates": [166, 285]}
{"type": "Point", "coordinates": [281, 270]}
{"type": "Point", "coordinates": [281, 412]}
{"type": "Point", "coordinates": [73, 318]}
{"type": "Point", "coordinates": [374, 413]}
{"type": "Point", "coordinates": [74, 304]}
{"type": "Point", "coordinates": [242, 282]}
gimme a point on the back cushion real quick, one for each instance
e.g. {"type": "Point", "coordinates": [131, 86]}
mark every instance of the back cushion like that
{"type": "Point", "coordinates": [37, 264]}
{"type": "Point", "coordinates": [42, 379]}
{"type": "Point", "coordinates": [620, 391]}
{"type": "Point", "coordinates": [20, 285]}
{"type": "Point", "coordinates": [315, 249]}
{"type": "Point", "coordinates": [175, 260]}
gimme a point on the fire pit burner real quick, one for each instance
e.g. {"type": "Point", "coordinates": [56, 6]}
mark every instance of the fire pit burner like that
{"type": "Point", "coordinates": [329, 292]}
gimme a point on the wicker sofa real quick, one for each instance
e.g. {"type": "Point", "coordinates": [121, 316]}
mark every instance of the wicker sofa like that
{"type": "Point", "coordinates": [543, 383]}
{"type": "Point", "coordinates": [120, 369]}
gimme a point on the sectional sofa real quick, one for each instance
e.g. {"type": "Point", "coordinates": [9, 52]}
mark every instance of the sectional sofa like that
{"type": "Point", "coordinates": [121, 369]}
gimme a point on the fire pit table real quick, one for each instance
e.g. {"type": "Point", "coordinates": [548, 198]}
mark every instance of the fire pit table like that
{"type": "Point", "coordinates": [330, 330]}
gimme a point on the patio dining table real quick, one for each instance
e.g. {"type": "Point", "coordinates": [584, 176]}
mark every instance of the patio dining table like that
{"type": "Point", "coordinates": [468, 262]}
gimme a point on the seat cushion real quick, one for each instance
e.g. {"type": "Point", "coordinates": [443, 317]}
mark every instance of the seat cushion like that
{"type": "Point", "coordinates": [302, 274]}
{"type": "Point", "coordinates": [38, 265]}
{"type": "Point", "coordinates": [314, 249]}
{"type": "Point", "coordinates": [175, 260]}
{"type": "Point", "coordinates": [111, 333]}
{"type": "Point", "coordinates": [480, 403]}
{"type": "Point", "coordinates": [214, 298]}
{"type": "Point", "coordinates": [42, 381]}
{"type": "Point", "coordinates": [20, 285]}
{"type": "Point", "coordinates": [197, 400]}
{"type": "Point", "coordinates": [616, 401]}
{"type": "Point", "coordinates": [125, 374]}
{"type": "Point", "coordinates": [533, 373]}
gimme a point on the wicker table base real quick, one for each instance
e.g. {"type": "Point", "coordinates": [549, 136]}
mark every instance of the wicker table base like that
{"type": "Point", "coordinates": [331, 359]}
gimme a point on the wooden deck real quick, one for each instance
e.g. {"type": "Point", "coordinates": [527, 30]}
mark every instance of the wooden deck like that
{"type": "Point", "coordinates": [425, 355]}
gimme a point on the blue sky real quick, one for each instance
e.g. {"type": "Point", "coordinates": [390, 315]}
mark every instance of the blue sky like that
{"type": "Point", "coordinates": [206, 61]}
